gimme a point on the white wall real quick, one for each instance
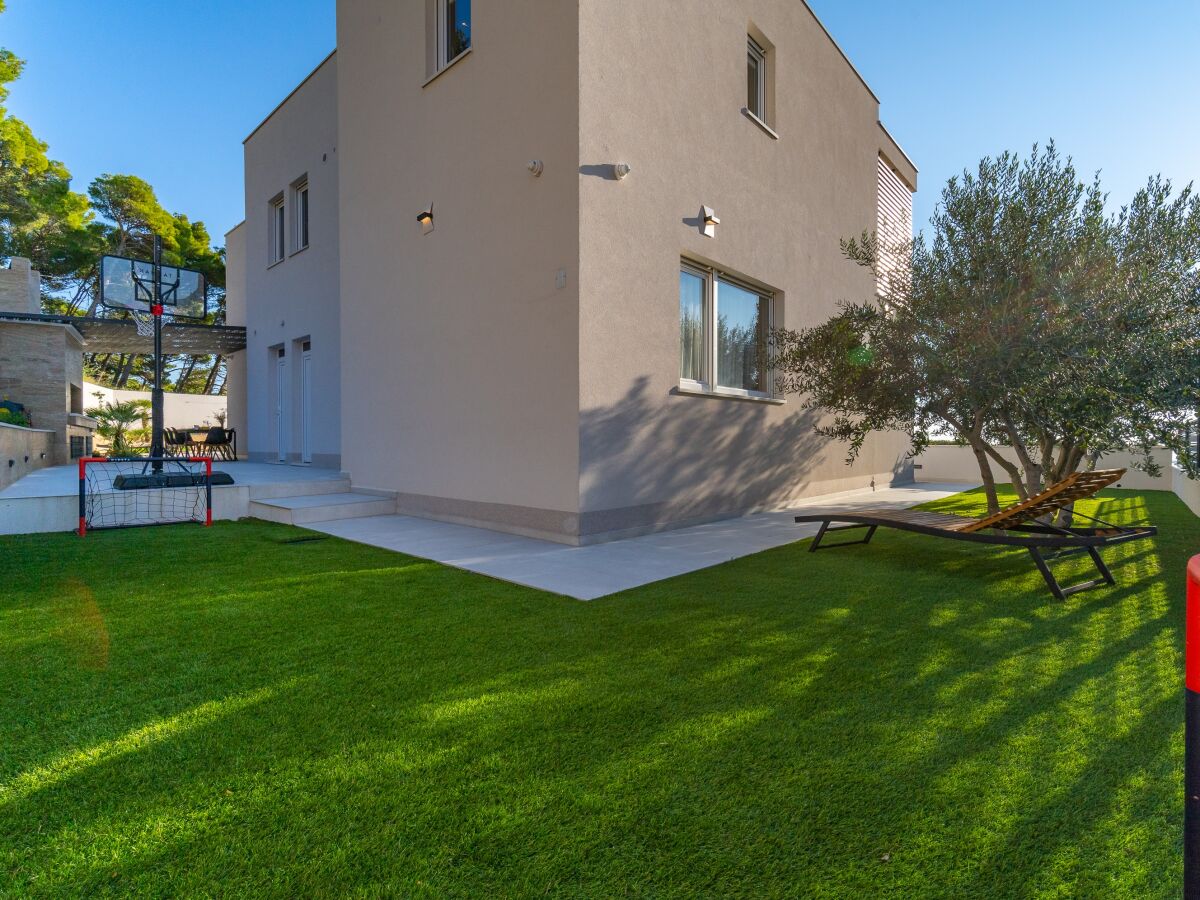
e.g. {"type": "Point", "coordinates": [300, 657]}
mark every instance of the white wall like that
{"type": "Point", "coordinates": [951, 463]}
{"type": "Point", "coordinates": [296, 299]}
{"type": "Point", "coordinates": [179, 410]}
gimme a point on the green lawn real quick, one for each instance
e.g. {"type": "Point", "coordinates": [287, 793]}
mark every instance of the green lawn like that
{"type": "Point", "coordinates": [233, 711]}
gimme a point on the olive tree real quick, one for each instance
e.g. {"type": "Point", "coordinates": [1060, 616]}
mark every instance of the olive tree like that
{"type": "Point", "coordinates": [1032, 319]}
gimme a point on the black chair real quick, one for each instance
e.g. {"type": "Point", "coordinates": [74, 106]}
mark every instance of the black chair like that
{"type": "Point", "coordinates": [178, 443]}
{"type": "Point", "coordinates": [217, 442]}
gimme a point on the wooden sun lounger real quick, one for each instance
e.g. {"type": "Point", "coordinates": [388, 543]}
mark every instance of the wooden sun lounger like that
{"type": "Point", "coordinates": [1016, 526]}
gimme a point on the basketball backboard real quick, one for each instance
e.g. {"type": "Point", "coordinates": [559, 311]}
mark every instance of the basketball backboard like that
{"type": "Point", "coordinates": [129, 284]}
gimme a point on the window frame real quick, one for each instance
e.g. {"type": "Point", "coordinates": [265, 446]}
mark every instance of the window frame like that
{"type": "Point", "coordinates": [755, 51]}
{"type": "Point", "coordinates": [276, 230]}
{"type": "Point", "coordinates": [442, 30]}
{"type": "Point", "coordinates": [301, 215]}
{"type": "Point", "coordinates": [707, 385]}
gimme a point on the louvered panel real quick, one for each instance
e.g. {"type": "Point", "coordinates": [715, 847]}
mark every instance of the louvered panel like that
{"type": "Point", "coordinates": [894, 223]}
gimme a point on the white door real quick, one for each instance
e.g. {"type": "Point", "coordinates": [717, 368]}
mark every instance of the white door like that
{"type": "Point", "coordinates": [306, 404]}
{"type": "Point", "coordinates": [280, 392]}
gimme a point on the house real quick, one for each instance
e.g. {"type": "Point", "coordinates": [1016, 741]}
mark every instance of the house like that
{"type": "Point", "coordinates": [514, 263]}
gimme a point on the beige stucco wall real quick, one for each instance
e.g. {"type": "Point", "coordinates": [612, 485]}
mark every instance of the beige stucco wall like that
{"type": "Point", "coordinates": [460, 376]}
{"type": "Point", "coordinates": [236, 384]}
{"type": "Point", "coordinates": [671, 109]}
{"type": "Point", "coordinates": [20, 287]}
{"type": "Point", "coordinates": [297, 298]}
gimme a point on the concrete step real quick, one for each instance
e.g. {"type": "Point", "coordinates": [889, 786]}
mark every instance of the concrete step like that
{"type": "Point", "coordinates": [308, 488]}
{"type": "Point", "coordinates": [306, 508]}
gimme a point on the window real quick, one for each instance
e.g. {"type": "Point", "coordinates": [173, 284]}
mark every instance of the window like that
{"type": "Point", "coordinates": [300, 211]}
{"type": "Point", "coordinates": [756, 79]}
{"type": "Point", "coordinates": [724, 333]}
{"type": "Point", "coordinates": [449, 32]}
{"type": "Point", "coordinates": [278, 230]}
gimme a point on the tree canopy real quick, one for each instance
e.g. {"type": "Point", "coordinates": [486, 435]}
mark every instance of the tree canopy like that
{"type": "Point", "coordinates": [1032, 319]}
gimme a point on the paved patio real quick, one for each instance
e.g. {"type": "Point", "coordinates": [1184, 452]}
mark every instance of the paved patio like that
{"type": "Point", "coordinates": [587, 573]}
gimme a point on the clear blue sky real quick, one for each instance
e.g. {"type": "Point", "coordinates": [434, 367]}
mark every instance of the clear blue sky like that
{"type": "Point", "coordinates": [167, 90]}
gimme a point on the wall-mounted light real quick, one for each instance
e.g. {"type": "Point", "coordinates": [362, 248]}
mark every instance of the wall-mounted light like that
{"type": "Point", "coordinates": [425, 217]}
{"type": "Point", "coordinates": [535, 166]}
{"type": "Point", "coordinates": [710, 221]}
{"type": "Point", "coordinates": [620, 170]}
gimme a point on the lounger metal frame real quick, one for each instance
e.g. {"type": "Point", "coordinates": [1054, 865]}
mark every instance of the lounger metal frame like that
{"type": "Point", "coordinates": [1044, 542]}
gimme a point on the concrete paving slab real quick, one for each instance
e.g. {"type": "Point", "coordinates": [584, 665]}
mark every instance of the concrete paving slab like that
{"type": "Point", "coordinates": [597, 570]}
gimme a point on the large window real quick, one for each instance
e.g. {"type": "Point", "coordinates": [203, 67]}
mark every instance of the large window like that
{"type": "Point", "coordinates": [277, 230]}
{"type": "Point", "coordinates": [724, 333]}
{"type": "Point", "coordinates": [450, 31]}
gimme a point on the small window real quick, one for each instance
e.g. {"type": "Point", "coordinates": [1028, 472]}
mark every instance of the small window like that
{"type": "Point", "coordinates": [278, 230]}
{"type": "Point", "coordinates": [725, 327]}
{"type": "Point", "coordinates": [300, 211]}
{"type": "Point", "coordinates": [449, 32]}
{"type": "Point", "coordinates": [756, 79]}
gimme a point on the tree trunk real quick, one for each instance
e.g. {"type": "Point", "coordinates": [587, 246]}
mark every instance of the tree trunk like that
{"type": "Point", "coordinates": [211, 382]}
{"type": "Point", "coordinates": [126, 368]}
{"type": "Point", "coordinates": [186, 374]}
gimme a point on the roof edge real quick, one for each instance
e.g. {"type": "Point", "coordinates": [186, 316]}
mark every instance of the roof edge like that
{"type": "Point", "coordinates": [908, 159]}
{"type": "Point", "coordinates": [290, 95]}
{"type": "Point", "coordinates": [235, 228]}
{"type": "Point", "coordinates": [838, 48]}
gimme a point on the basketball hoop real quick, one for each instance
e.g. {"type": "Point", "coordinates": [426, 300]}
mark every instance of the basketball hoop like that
{"type": "Point", "coordinates": [143, 321]}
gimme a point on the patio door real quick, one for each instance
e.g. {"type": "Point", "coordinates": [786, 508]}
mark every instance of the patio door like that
{"type": "Point", "coordinates": [280, 393]}
{"type": "Point", "coordinates": [306, 402]}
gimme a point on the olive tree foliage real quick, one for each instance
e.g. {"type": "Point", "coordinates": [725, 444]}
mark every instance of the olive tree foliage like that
{"type": "Point", "coordinates": [1032, 320]}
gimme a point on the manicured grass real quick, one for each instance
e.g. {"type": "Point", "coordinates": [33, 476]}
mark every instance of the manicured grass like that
{"type": "Point", "coordinates": [227, 711]}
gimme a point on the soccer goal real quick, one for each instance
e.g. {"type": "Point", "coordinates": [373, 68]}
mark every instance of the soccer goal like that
{"type": "Point", "coordinates": [128, 492]}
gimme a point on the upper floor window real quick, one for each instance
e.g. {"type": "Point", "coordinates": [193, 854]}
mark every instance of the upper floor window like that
{"type": "Point", "coordinates": [449, 32]}
{"type": "Point", "coordinates": [300, 211]}
{"type": "Point", "coordinates": [756, 79]}
{"type": "Point", "coordinates": [277, 230]}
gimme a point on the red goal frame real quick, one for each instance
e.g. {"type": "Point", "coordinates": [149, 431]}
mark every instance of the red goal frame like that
{"type": "Point", "coordinates": [85, 461]}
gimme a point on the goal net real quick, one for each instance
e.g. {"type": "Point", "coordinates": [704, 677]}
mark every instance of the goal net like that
{"type": "Point", "coordinates": [123, 493]}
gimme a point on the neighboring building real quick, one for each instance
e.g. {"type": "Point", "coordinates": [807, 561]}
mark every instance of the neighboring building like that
{"type": "Point", "coordinates": [571, 344]}
{"type": "Point", "coordinates": [41, 366]}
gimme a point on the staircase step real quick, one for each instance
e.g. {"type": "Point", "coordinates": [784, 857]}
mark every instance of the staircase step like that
{"type": "Point", "coordinates": [301, 510]}
{"type": "Point", "coordinates": [292, 489]}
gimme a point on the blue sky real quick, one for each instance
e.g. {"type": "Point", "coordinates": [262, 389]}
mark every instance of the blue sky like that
{"type": "Point", "coordinates": [168, 90]}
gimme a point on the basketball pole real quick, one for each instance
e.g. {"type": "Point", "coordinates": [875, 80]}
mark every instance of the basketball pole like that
{"type": "Point", "coordinates": [156, 396]}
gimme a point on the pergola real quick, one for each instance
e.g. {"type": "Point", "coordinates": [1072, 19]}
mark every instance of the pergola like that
{"type": "Point", "coordinates": [120, 335]}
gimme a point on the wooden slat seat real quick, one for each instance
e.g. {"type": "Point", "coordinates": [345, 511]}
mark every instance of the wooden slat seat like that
{"type": "Point", "coordinates": [1026, 524]}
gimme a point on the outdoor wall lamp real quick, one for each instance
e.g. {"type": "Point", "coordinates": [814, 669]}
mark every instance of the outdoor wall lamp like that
{"type": "Point", "coordinates": [710, 221]}
{"type": "Point", "coordinates": [535, 166]}
{"type": "Point", "coordinates": [425, 217]}
{"type": "Point", "coordinates": [620, 170]}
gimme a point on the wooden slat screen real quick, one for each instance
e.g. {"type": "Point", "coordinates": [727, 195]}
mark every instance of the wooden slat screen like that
{"type": "Point", "coordinates": [894, 225]}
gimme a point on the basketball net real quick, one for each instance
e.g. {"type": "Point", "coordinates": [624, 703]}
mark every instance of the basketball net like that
{"type": "Point", "coordinates": [143, 321]}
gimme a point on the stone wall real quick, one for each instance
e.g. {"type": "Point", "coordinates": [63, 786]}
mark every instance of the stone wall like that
{"type": "Point", "coordinates": [23, 450]}
{"type": "Point", "coordinates": [20, 287]}
{"type": "Point", "coordinates": [39, 362]}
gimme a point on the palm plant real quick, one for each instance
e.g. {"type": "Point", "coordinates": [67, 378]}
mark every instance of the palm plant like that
{"type": "Point", "coordinates": [115, 421]}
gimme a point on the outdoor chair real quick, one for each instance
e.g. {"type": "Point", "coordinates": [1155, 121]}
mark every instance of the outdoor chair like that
{"type": "Point", "coordinates": [178, 443]}
{"type": "Point", "coordinates": [218, 442]}
{"type": "Point", "coordinates": [1025, 524]}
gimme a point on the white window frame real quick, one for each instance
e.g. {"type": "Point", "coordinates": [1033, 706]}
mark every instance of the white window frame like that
{"type": "Point", "coordinates": [712, 298]}
{"type": "Point", "coordinates": [444, 60]}
{"type": "Point", "coordinates": [755, 50]}
{"type": "Point", "coordinates": [276, 230]}
{"type": "Point", "coordinates": [301, 215]}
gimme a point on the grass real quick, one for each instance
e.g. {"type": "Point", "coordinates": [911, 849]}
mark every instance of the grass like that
{"type": "Point", "coordinates": [232, 711]}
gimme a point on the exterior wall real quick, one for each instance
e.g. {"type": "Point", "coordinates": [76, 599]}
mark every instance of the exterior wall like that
{"type": "Point", "coordinates": [179, 410]}
{"type": "Point", "coordinates": [952, 463]}
{"type": "Point", "coordinates": [236, 385]}
{"type": "Point", "coordinates": [39, 362]}
{"type": "Point", "coordinates": [24, 450]}
{"type": "Point", "coordinates": [296, 299]}
{"type": "Point", "coordinates": [671, 109]}
{"type": "Point", "coordinates": [460, 376]}
{"type": "Point", "coordinates": [20, 287]}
